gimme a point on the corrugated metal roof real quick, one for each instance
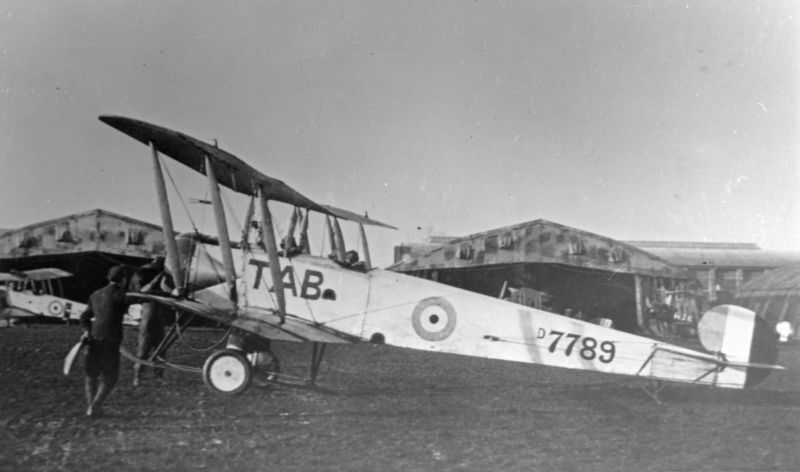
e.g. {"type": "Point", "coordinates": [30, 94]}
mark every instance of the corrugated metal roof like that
{"type": "Point", "coordinates": [782, 281]}
{"type": "Point", "coordinates": [693, 245]}
{"type": "Point", "coordinates": [542, 241]}
{"type": "Point", "coordinates": [94, 230]}
{"type": "Point", "coordinates": [721, 255]}
{"type": "Point", "coordinates": [96, 212]}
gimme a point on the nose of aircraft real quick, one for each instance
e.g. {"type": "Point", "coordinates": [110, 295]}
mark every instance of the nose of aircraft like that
{"type": "Point", "coordinates": [202, 270]}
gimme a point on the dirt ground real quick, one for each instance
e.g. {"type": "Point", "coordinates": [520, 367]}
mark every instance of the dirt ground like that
{"type": "Point", "coordinates": [381, 408]}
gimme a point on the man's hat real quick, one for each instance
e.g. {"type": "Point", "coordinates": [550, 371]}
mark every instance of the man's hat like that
{"type": "Point", "coordinates": [116, 274]}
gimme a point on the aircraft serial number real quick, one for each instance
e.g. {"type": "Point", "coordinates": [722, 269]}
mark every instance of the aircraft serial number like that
{"type": "Point", "coordinates": [587, 348]}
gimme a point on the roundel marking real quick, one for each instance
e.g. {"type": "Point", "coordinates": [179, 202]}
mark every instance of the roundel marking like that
{"type": "Point", "coordinates": [434, 319]}
{"type": "Point", "coordinates": [55, 308]}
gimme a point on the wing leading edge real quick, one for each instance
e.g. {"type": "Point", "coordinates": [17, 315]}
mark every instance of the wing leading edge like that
{"type": "Point", "coordinates": [230, 171]}
{"type": "Point", "coordinates": [35, 274]}
{"type": "Point", "coordinates": [259, 322]}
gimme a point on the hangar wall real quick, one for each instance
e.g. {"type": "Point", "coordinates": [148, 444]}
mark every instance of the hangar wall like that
{"type": "Point", "coordinates": [584, 272]}
{"type": "Point", "coordinates": [86, 244]}
{"type": "Point", "coordinates": [95, 230]}
{"type": "Point", "coordinates": [775, 296]}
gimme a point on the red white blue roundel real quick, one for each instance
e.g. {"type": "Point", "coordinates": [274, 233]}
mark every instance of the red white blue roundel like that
{"type": "Point", "coordinates": [434, 319]}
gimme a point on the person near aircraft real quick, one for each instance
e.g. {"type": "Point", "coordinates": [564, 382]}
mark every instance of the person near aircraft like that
{"type": "Point", "coordinates": [154, 316]}
{"type": "Point", "coordinates": [293, 249]}
{"type": "Point", "coordinates": [351, 261]}
{"type": "Point", "coordinates": [403, 311]}
{"type": "Point", "coordinates": [102, 322]}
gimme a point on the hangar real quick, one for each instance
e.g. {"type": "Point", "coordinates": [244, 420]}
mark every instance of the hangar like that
{"type": "Point", "coordinates": [86, 244]}
{"type": "Point", "coordinates": [774, 295]}
{"type": "Point", "coordinates": [560, 269]}
{"type": "Point", "coordinates": [720, 269]}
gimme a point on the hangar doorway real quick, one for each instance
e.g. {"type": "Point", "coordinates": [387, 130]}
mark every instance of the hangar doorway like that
{"type": "Point", "coordinates": [586, 293]}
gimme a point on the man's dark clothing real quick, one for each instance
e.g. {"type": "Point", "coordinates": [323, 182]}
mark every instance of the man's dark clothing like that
{"type": "Point", "coordinates": [103, 320]}
{"type": "Point", "coordinates": [155, 318]}
{"type": "Point", "coordinates": [103, 359]}
{"type": "Point", "coordinates": [108, 307]}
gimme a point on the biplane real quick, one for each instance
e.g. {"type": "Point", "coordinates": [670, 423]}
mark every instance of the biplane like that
{"type": "Point", "coordinates": [38, 292]}
{"type": "Point", "coordinates": [270, 287]}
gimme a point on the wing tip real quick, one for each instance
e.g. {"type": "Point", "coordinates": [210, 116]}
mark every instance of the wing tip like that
{"type": "Point", "coordinates": [111, 120]}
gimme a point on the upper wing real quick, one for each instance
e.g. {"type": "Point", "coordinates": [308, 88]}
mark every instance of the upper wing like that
{"type": "Point", "coordinates": [231, 171]}
{"type": "Point", "coordinates": [13, 312]}
{"type": "Point", "coordinates": [349, 215]}
{"type": "Point", "coordinates": [34, 274]}
{"type": "Point", "coordinates": [258, 322]}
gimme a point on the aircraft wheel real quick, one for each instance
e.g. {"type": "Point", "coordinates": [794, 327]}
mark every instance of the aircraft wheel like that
{"type": "Point", "coordinates": [227, 371]}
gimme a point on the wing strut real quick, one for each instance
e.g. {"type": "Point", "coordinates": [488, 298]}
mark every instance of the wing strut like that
{"type": "Point", "coordinates": [337, 231]}
{"type": "Point", "coordinates": [173, 263]}
{"type": "Point", "coordinates": [268, 236]}
{"type": "Point", "coordinates": [331, 237]}
{"type": "Point", "coordinates": [288, 240]}
{"type": "Point", "coordinates": [248, 219]}
{"type": "Point", "coordinates": [365, 247]}
{"type": "Point", "coordinates": [304, 244]}
{"type": "Point", "coordinates": [222, 230]}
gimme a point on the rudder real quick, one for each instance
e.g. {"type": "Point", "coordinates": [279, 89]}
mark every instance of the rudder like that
{"type": "Point", "coordinates": [741, 337]}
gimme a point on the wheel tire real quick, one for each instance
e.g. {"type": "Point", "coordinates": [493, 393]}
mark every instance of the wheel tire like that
{"type": "Point", "coordinates": [227, 371]}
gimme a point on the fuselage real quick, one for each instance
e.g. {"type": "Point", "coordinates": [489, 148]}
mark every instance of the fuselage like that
{"type": "Point", "coordinates": [404, 311]}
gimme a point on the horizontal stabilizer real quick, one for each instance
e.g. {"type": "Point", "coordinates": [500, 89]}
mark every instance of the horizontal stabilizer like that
{"type": "Point", "coordinates": [717, 360]}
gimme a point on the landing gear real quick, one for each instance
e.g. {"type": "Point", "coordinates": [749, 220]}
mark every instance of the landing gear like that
{"type": "Point", "coordinates": [317, 352]}
{"type": "Point", "coordinates": [266, 366]}
{"type": "Point", "coordinates": [227, 371]}
{"type": "Point", "coordinates": [232, 369]}
{"type": "Point", "coordinates": [246, 360]}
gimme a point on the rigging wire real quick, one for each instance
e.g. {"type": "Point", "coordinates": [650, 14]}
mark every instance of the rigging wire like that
{"type": "Point", "coordinates": [199, 349]}
{"type": "Point", "coordinates": [180, 196]}
{"type": "Point", "coordinates": [187, 273]}
{"type": "Point", "coordinates": [230, 211]}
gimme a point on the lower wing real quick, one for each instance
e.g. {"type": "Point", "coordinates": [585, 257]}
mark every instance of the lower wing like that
{"type": "Point", "coordinates": [264, 323]}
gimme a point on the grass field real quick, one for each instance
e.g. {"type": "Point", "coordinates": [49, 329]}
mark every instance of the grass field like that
{"type": "Point", "coordinates": [381, 408]}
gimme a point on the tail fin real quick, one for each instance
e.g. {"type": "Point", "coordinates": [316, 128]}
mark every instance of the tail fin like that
{"type": "Point", "coordinates": [744, 340]}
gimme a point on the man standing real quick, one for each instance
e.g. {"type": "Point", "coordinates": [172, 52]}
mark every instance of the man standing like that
{"type": "Point", "coordinates": [155, 316]}
{"type": "Point", "coordinates": [102, 322]}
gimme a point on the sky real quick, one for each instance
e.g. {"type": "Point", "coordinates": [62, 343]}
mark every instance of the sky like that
{"type": "Point", "coordinates": [635, 119]}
